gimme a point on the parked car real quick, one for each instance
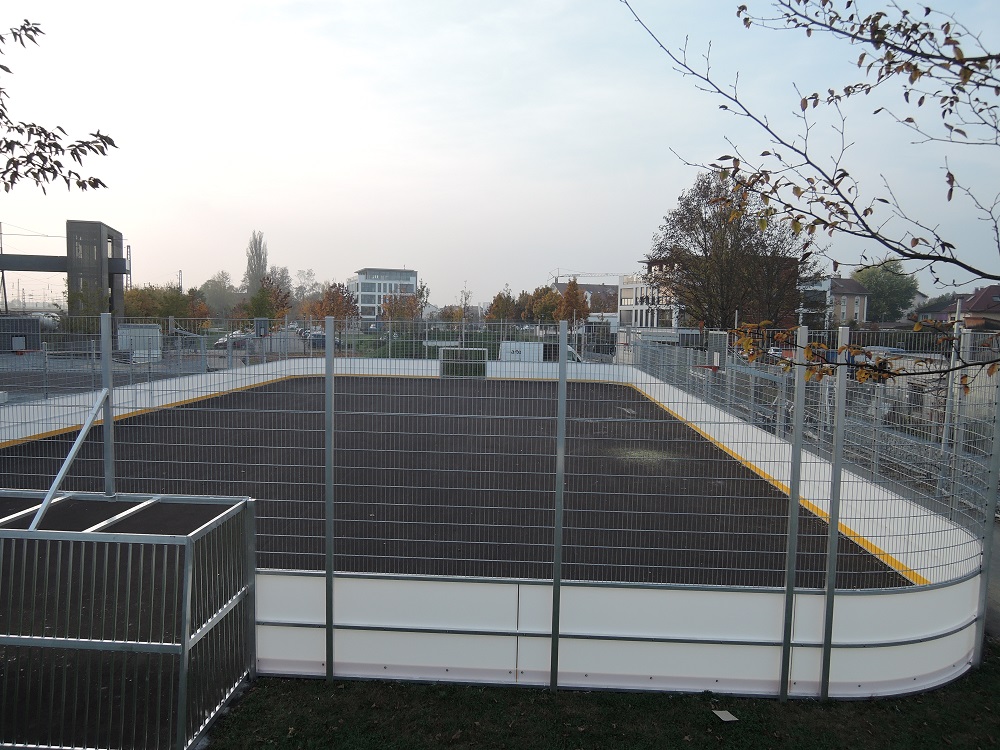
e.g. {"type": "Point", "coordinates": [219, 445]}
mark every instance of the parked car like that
{"type": "Point", "coordinates": [779, 353]}
{"type": "Point", "coordinates": [238, 339]}
{"type": "Point", "coordinates": [317, 340]}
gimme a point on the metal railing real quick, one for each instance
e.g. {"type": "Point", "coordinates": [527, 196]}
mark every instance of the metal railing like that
{"type": "Point", "coordinates": [129, 635]}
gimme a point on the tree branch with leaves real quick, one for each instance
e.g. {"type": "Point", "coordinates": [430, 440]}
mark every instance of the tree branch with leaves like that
{"type": "Point", "coordinates": [938, 66]}
{"type": "Point", "coordinates": [39, 154]}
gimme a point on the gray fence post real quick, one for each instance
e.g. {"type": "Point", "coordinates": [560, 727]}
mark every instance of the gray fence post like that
{"type": "Point", "coordinates": [791, 550]}
{"type": "Point", "coordinates": [328, 383]}
{"type": "Point", "coordinates": [108, 428]}
{"type": "Point", "coordinates": [250, 571]}
{"type": "Point", "coordinates": [558, 521]}
{"type": "Point", "coordinates": [185, 655]}
{"type": "Point", "coordinates": [45, 368]}
{"type": "Point", "coordinates": [833, 532]}
{"type": "Point", "coordinates": [992, 483]}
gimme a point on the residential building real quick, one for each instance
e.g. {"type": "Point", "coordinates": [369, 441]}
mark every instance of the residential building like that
{"type": "Point", "coordinates": [372, 285]}
{"type": "Point", "coordinates": [847, 301]}
{"type": "Point", "coordinates": [980, 310]}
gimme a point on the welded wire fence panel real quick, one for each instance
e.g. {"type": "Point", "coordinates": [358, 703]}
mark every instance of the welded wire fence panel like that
{"type": "Point", "coordinates": [88, 642]}
{"type": "Point", "coordinates": [223, 653]}
{"type": "Point", "coordinates": [699, 502]}
{"type": "Point", "coordinates": [455, 475]}
{"type": "Point", "coordinates": [93, 648]}
{"type": "Point", "coordinates": [443, 476]}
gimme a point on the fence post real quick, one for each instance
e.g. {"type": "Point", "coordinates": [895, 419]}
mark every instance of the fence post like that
{"type": "Point", "coordinates": [798, 422]}
{"type": "Point", "coordinates": [947, 429]}
{"type": "Point", "coordinates": [833, 532]}
{"type": "Point", "coordinates": [558, 520]}
{"type": "Point", "coordinates": [108, 428]}
{"type": "Point", "coordinates": [250, 571]}
{"type": "Point", "coordinates": [185, 655]}
{"type": "Point", "coordinates": [992, 485]}
{"type": "Point", "coordinates": [328, 383]}
{"type": "Point", "coordinates": [45, 368]}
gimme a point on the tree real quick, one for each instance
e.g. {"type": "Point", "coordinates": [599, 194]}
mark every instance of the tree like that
{"type": "Point", "coordinates": [256, 263]}
{"type": "Point", "coordinates": [542, 305]}
{"type": "Point", "coordinates": [152, 301]}
{"type": "Point", "coordinates": [451, 314]}
{"type": "Point", "coordinates": [337, 302]}
{"type": "Point", "coordinates": [220, 295]}
{"type": "Point", "coordinates": [891, 289]}
{"type": "Point", "coordinates": [400, 307]}
{"type": "Point", "coordinates": [281, 278]}
{"type": "Point", "coordinates": [948, 86]}
{"type": "Point", "coordinates": [503, 307]}
{"type": "Point", "coordinates": [718, 264]}
{"type": "Point", "coordinates": [35, 153]}
{"type": "Point", "coordinates": [572, 304]}
{"type": "Point", "coordinates": [521, 306]}
{"type": "Point", "coordinates": [306, 286]}
{"type": "Point", "coordinates": [270, 301]}
{"type": "Point", "coordinates": [935, 303]}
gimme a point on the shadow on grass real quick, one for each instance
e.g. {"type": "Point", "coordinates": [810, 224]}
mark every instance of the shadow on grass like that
{"type": "Point", "coordinates": [280, 713]}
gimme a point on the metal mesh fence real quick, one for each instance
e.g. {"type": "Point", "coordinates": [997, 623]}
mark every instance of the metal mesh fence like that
{"type": "Point", "coordinates": [674, 454]}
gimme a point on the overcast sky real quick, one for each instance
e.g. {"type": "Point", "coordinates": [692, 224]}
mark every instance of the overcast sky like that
{"type": "Point", "coordinates": [481, 143]}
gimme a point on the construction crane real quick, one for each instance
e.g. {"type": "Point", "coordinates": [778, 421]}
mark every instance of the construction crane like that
{"type": "Point", "coordinates": [559, 273]}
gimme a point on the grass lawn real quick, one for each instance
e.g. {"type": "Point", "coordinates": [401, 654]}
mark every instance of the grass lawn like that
{"type": "Point", "coordinates": [279, 713]}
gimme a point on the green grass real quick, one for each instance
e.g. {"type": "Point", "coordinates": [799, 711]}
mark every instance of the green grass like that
{"type": "Point", "coordinates": [278, 713]}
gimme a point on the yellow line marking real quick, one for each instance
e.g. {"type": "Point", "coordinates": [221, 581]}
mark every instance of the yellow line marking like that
{"type": "Point", "coordinates": [869, 546]}
{"type": "Point", "coordinates": [149, 410]}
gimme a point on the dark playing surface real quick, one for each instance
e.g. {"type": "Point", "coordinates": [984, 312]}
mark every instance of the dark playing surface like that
{"type": "Point", "coordinates": [457, 477]}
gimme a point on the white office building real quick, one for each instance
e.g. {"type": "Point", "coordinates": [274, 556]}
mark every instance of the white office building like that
{"type": "Point", "coordinates": [372, 285]}
{"type": "Point", "coordinates": [641, 305]}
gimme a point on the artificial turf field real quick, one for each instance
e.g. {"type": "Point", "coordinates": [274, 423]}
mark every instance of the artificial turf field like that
{"type": "Point", "coordinates": [456, 477]}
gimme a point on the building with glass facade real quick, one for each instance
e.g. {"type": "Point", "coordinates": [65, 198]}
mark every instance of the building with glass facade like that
{"type": "Point", "coordinates": [371, 286]}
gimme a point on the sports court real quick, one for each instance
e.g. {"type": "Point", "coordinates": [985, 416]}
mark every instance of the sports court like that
{"type": "Point", "coordinates": [456, 477]}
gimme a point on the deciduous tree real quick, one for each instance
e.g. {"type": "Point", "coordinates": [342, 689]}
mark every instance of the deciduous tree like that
{"type": "Point", "coordinates": [503, 307]}
{"type": "Point", "coordinates": [337, 302]}
{"type": "Point", "coordinates": [256, 263]}
{"type": "Point", "coordinates": [542, 305]}
{"type": "Point", "coordinates": [270, 301]}
{"type": "Point", "coordinates": [220, 295]}
{"type": "Point", "coordinates": [572, 304]}
{"type": "Point", "coordinates": [717, 263]}
{"type": "Point", "coordinates": [890, 289]}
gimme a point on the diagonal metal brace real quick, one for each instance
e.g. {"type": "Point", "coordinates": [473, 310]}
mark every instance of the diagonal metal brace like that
{"type": "Point", "coordinates": [102, 396]}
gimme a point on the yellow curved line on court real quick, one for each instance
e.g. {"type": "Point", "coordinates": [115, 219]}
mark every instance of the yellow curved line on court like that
{"type": "Point", "coordinates": [148, 410]}
{"type": "Point", "coordinates": [904, 570]}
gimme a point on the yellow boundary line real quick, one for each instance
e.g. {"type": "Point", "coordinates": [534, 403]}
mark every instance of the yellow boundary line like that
{"type": "Point", "coordinates": [847, 531]}
{"type": "Point", "coordinates": [149, 410]}
{"type": "Point", "coordinates": [904, 570]}
{"type": "Point", "coordinates": [185, 402]}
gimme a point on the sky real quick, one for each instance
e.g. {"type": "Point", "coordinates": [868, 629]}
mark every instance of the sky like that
{"type": "Point", "coordinates": [483, 144]}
